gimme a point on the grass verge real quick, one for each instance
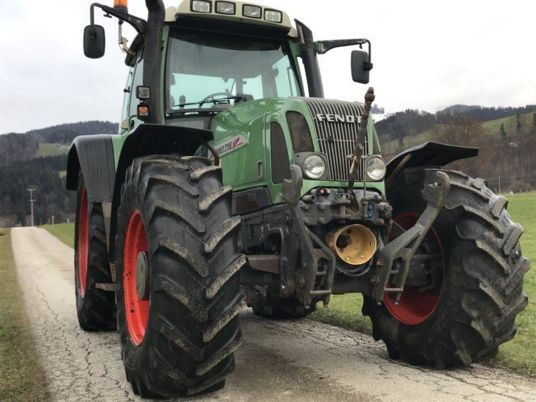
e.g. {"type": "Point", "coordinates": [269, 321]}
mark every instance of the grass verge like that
{"type": "Point", "coordinates": [63, 231]}
{"type": "Point", "coordinates": [520, 353]}
{"type": "Point", "coordinates": [345, 311]}
{"type": "Point", "coordinates": [21, 376]}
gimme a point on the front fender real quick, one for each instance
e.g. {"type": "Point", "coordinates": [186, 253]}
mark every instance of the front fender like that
{"type": "Point", "coordinates": [430, 154]}
{"type": "Point", "coordinates": [152, 139]}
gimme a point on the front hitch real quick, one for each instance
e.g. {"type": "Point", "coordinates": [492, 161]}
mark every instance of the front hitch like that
{"type": "Point", "coordinates": [393, 263]}
{"type": "Point", "coordinates": [313, 261]}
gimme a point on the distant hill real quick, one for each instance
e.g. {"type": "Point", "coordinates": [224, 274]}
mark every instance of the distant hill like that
{"type": "Point", "coordinates": [457, 109]}
{"type": "Point", "coordinates": [401, 125]}
{"type": "Point", "coordinates": [38, 159]}
{"type": "Point", "coordinates": [49, 141]}
{"type": "Point", "coordinates": [66, 133]}
{"type": "Point", "coordinates": [507, 142]}
{"type": "Point", "coordinates": [17, 147]}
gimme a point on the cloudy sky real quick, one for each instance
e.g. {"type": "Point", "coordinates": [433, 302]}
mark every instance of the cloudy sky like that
{"type": "Point", "coordinates": [427, 55]}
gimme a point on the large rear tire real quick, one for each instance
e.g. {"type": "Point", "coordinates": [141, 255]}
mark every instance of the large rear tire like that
{"type": "Point", "coordinates": [178, 291]}
{"type": "Point", "coordinates": [95, 307]}
{"type": "Point", "coordinates": [473, 311]}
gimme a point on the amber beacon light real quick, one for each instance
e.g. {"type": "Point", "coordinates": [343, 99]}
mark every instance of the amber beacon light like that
{"type": "Point", "coordinates": [121, 5]}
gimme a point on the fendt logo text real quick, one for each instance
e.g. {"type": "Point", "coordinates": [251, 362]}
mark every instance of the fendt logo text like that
{"type": "Point", "coordinates": [337, 118]}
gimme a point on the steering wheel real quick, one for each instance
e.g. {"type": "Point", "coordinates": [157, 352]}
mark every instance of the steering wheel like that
{"type": "Point", "coordinates": [213, 97]}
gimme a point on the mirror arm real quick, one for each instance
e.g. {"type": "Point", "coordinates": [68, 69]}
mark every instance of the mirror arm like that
{"type": "Point", "coordinates": [137, 23]}
{"type": "Point", "coordinates": [322, 47]}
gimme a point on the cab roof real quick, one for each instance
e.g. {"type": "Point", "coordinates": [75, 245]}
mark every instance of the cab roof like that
{"type": "Point", "coordinates": [187, 8]}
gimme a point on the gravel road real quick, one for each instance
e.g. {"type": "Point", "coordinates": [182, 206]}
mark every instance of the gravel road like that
{"type": "Point", "coordinates": [280, 360]}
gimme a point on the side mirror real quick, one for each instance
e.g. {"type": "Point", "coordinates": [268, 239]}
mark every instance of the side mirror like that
{"type": "Point", "coordinates": [94, 41]}
{"type": "Point", "coordinates": [361, 66]}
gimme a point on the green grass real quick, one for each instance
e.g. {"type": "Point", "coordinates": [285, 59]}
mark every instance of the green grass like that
{"type": "Point", "coordinates": [63, 231]}
{"type": "Point", "coordinates": [520, 353]}
{"type": "Point", "coordinates": [21, 376]}
{"type": "Point", "coordinates": [46, 149]}
{"type": "Point", "coordinates": [345, 310]}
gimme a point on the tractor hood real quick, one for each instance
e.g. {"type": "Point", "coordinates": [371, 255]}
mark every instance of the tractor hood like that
{"type": "Point", "coordinates": [257, 139]}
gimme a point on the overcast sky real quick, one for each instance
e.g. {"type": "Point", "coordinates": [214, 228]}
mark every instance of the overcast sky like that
{"type": "Point", "coordinates": [427, 55]}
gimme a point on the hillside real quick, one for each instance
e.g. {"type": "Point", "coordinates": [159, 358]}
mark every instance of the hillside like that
{"type": "Point", "coordinates": [506, 143]}
{"type": "Point", "coordinates": [49, 141]}
{"type": "Point", "coordinates": [492, 128]}
{"type": "Point", "coordinates": [38, 159]}
{"type": "Point", "coordinates": [403, 126]}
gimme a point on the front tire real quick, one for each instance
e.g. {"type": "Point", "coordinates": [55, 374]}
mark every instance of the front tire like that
{"type": "Point", "coordinates": [482, 283]}
{"type": "Point", "coordinates": [177, 308]}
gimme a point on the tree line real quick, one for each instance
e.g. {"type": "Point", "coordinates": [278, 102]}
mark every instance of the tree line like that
{"type": "Point", "coordinates": [46, 176]}
{"type": "Point", "coordinates": [20, 170]}
{"type": "Point", "coordinates": [410, 122]}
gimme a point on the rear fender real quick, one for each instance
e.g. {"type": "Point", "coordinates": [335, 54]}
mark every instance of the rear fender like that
{"type": "Point", "coordinates": [93, 156]}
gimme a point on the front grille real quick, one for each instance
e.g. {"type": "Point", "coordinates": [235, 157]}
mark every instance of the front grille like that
{"type": "Point", "coordinates": [337, 138]}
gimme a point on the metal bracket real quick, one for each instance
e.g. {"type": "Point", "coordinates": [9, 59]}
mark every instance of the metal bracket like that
{"type": "Point", "coordinates": [304, 241]}
{"type": "Point", "coordinates": [394, 259]}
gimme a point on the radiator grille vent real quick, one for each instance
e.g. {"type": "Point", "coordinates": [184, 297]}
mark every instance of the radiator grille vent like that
{"type": "Point", "coordinates": [337, 125]}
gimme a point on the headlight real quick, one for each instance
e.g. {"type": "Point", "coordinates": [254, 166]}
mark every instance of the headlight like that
{"type": "Point", "coordinates": [314, 167]}
{"type": "Point", "coordinates": [376, 169]}
{"type": "Point", "coordinates": [273, 16]}
{"type": "Point", "coordinates": [201, 6]}
{"type": "Point", "coordinates": [252, 11]}
{"type": "Point", "coordinates": [225, 7]}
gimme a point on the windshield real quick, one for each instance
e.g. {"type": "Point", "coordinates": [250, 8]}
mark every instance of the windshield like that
{"type": "Point", "coordinates": [215, 69]}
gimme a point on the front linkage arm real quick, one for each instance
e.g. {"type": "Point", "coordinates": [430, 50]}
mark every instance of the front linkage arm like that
{"type": "Point", "coordinates": [394, 259]}
{"type": "Point", "coordinates": [308, 246]}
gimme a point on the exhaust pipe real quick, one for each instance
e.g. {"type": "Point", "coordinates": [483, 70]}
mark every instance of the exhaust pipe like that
{"type": "Point", "coordinates": [353, 244]}
{"type": "Point", "coordinates": [152, 67]}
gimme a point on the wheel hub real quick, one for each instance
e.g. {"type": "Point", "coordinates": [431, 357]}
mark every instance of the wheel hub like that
{"type": "Point", "coordinates": [142, 276]}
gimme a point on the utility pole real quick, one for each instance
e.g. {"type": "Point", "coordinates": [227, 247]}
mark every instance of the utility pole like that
{"type": "Point", "coordinates": [32, 200]}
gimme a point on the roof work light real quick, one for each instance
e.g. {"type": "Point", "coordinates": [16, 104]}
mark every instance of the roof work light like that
{"type": "Point", "coordinates": [201, 6]}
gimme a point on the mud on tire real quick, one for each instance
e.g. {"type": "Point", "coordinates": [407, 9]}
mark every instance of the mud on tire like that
{"type": "Point", "coordinates": [95, 307]}
{"type": "Point", "coordinates": [482, 290]}
{"type": "Point", "coordinates": [192, 329]}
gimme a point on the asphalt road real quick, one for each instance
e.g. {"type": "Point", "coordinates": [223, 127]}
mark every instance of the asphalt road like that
{"type": "Point", "coordinates": [280, 360]}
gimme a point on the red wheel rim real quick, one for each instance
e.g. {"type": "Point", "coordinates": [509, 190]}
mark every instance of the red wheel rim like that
{"type": "Point", "coordinates": [414, 307]}
{"type": "Point", "coordinates": [83, 243]}
{"type": "Point", "coordinates": [136, 309]}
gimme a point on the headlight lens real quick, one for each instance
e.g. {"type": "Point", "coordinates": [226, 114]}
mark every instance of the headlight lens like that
{"type": "Point", "coordinates": [252, 11]}
{"type": "Point", "coordinates": [314, 167]}
{"type": "Point", "coordinates": [201, 6]}
{"type": "Point", "coordinates": [376, 168]}
{"type": "Point", "coordinates": [273, 16]}
{"type": "Point", "coordinates": [224, 7]}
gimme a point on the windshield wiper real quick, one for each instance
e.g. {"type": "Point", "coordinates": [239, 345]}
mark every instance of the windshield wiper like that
{"type": "Point", "coordinates": [241, 98]}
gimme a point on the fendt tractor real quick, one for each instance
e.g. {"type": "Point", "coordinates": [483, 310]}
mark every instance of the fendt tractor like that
{"type": "Point", "coordinates": [234, 182]}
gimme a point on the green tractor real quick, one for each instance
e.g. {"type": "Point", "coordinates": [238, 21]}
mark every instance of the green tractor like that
{"type": "Point", "coordinates": [227, 186]}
